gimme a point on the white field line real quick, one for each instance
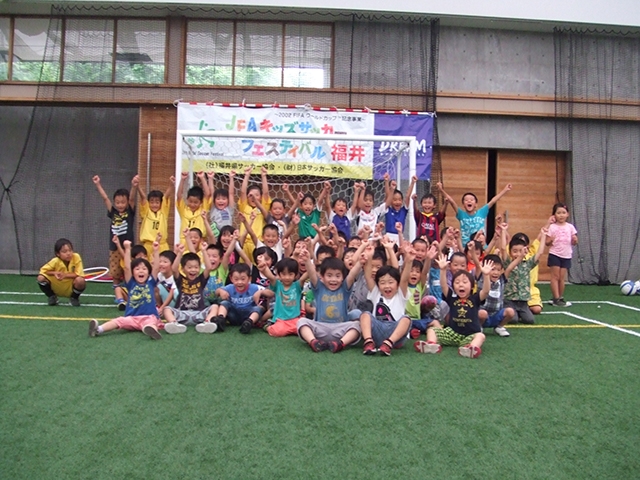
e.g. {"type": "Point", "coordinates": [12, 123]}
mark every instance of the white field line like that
{"type": "Point", "coordinates": [595, 322]}
{"type": "Point", "coordinates": [62, 304]}
{"type": "Point", "coordinates": [97, 295]}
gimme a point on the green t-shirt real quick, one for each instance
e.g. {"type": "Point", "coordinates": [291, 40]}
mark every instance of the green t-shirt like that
{"type": "Point", "coordinates": [287, 302]}
{"type": "Point", "coordinates": [414, 295]}
{"type": "Point", "coordinates": [304, 228]}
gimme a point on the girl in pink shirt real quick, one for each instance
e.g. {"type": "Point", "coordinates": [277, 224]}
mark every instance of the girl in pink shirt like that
{"type": "Point", "coordinates": [560, 239]}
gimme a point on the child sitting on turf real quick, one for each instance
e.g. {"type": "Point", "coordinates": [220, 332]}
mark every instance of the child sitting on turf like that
{"type": "Point", "coordinates": [141, 313]}
{"type": "Point", "coordinates": [166, 291]}
{"type": "Point", "coordinates": [240, 300]}
{"type": "Point", "coordinates": [492, 312]}
{"type": "Point", "coordinates": [224, 203]}
{"type": "Point", "coordinates": [219, 261]}
{"type": "Point", "coordinates": [122, 215]}
{"type": "Point", "coordinates": [331, 286]}
{"type": "Point", "coordinates": [388, 327]}
{"type": "Point", "coordinates": [198, 200]}
{"type": "Point", "coordinates": [190, 306]}
{"type": "Point", "coordinates": [63, 275]}
{"type": "Point", "coordinates": [517, 292]}
{"type": "Point", "coordinates": [154, 211]}
{"type": "Point", "coordinates": [464, 329]}
{"type": "Point", "coordinates": [471, 219]}
{"type": "Point", "coordinates": [287, 288]}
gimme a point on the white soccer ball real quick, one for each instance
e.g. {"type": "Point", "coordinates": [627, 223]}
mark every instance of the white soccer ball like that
{"type": "Point", "coordinates": [637, 285]}
{"type": "Point", "coordinates": [628, 287]}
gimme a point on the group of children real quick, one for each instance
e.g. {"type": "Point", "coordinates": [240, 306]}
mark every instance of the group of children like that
{"type": "Point", "coordinates": [354, 279]}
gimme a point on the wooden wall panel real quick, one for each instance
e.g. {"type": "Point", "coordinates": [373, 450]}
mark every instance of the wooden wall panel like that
{"type": "Point", "coordinates": [161, 123]}
{"type": "Point", "coordinates": [464, 170]}
{"type": "Point", "coordinates": [533, 175]}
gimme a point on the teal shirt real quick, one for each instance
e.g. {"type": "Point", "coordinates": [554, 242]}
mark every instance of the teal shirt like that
{"type": "Point", "coordinates": [304, 228]}
{"type": "Point", "coordinates": [287, 302]}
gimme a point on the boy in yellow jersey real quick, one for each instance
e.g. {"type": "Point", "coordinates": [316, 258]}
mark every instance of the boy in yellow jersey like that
{"type": "Point", "coordinates": [190, 210]}
{"type": "Point", "coordinates": [250, 196]}
{"type": "Point", "coordinates": [63, 275]}
{"type": "Point", "coordinates": [154, 211]}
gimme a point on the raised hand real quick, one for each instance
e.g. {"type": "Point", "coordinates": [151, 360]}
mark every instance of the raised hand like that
{"type": "Point", "coordinates": [442, 261]}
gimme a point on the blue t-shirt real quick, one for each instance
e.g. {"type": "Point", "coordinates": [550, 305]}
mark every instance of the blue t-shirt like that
{"type": "Point", "coordinates": [472, 223]}
{"type": "Point", "coordinates": [392, 216]}
{"type": "Point", "coordinates": [287, 303]}
{"type": "Point", "coordinates": [434, 283]}
{"type": "Point", "coordinates": [331, 305]}
{"type": "Point", "coordinates": [141, 298]}
{"type": "Point", "coordinates": [342, 223]}
{"type": "Point", "coordinates": [242, 300]}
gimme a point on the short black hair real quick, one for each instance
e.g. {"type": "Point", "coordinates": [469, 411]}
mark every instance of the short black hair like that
{"type": "Point", "coordinates": [218, 248]}
{"type": "Point", "coordinates": [221, 192]}
{"type": "Point", "coordinates": [428, 196]}
{"type": "Point", "coordinates": [61, 242]}
{"type": "Point", "coordinates": [419, 240]}
{"type": "Point", "coordinates": [476, 243]}
{"type": "Point", "coordinates": [339, 199]}
{"type": "Point", "coordinates": [169, 255]}
{"type": "Point", "coordinates": [466, 274]}
{"type": "Point", "coordinates": [289, 264]}
{"type": "Point", "coordinates": [326, 250]}
{"type": "Point", "coordinates": [196, 191]}
{"type": "Point", "coordinates": [517, 240]}
{"type": "Point", "coordinates": [393, 272]}
{"type": "Point", "coordinates": [155, 194]}
{"type": "Point", "coordinates": [240, 268]}
{"type": "Point", "coordinates": [271, 226]}
{"type": "Point", "coordinates": [379, 254]}
{"type": "Point", "coordinates": [187, 257]}
{"type": "Point", "coordinates": [458, 254]}
{"type": "Point", "coordinates": [277, 200]}
{"type": "Point", "coordinates": [522, 236]}
{"type": "Point", "coordinates": [349, 250]}
{"type": "Point", "coordinates": [196, 230]}
{"type": "Point", "coordinates": [137, 261]}
{"type": "Point", "coordinates": [333, 263]}
{"type": "Point", "coordinates": [308, 196]}
{"type": "Point", "coordinates": [121, 192]}
{"type": "Point", "coordinates": [469, 193]}
{"type": "Point", "coordinates": [265, 251]}
{"type": "Point", "coordinates": [138, 250]}
{"type": "Point", "coordinates": [493, 258]}
{"type": "Point", "coordinates": [368, 192]}
{"type": "Point", "coordinates": [417, 264]}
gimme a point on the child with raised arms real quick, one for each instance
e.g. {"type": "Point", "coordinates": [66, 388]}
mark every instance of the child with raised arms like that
{"type": "Point", "coordinates": [463, 329]}
{"type": "Point", "coordinates": [190, 210]}
{"type": "Point", "coordinates": [560, 240]}
{"type": "Point", "coordinates": [141, 313]}
{"type": "Point", "coordinates": [121, 212]}
{"type": "Point", "coordinates": [427, 221]}
{"type": "Point", "coordinates": [397, 207]}
{"type": "Point", "coordinates": [471, 218]}
{"type": "Point", "coordinates": [224, 203]}
{"type": "Point", "coordinates": [309, 211]}
{"type": "Point", "coordinates": [363, 208]}
{"type": "Point", "coordinates": [250, 197]}
{"type": "Point", "coordinates": [388, 327]}
{"type": "Point", "coordinates": [63, 275]}
{"type": "Point", "coordinates": [154, 212]}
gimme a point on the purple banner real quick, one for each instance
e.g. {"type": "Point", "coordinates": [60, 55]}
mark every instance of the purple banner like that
{"type": "Point", "coordinates": [384, 160]}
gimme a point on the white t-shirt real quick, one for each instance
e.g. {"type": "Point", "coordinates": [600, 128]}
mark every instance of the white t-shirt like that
{"type": "Point", "coordinates": [396, 305]}
{"type": "Point", "coordinates": [276, 248]}
{"type": "Point", "coordinates": [370, 218]}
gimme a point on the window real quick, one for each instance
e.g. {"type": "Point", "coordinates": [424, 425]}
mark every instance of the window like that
{"type": "Point", "coordinates": [36, 49]}
{"type": "Point", "coordinates": [140, 51]}
{"type": "Point", "coordinates": [5, 26]}
{"type": "Point", "coordinates": [87, 50]}
{"type": "Point", "coordinates": [267, 54]}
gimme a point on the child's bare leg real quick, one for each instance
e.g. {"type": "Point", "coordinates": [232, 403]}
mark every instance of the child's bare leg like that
{"type": "Point", "coordinates": [213, 311]}
{"type": "Point", "coordinates": [431, 334]}
{"type": "Point", "coordinates": [401, 329]}
{"type": "Point", "coordinates": [535, 309]}
{"type": "Point", "coordinates": [478, 340]}
{"type": "Point", "coordinates": [350, 337]}
{"type": "Point", "coordinates": [482, 316]}
{"type": "Point", "coordinates": [365, 325]}
{"type": "Point", "coordinates": [306, 334]}
{"type": "Point", "coordinates": [168, 315]}
{"type": "Point", "coordinates": [96, 329]}
{"type": "Point", "coordinates": [561, 276]}
{"type": "Point", "coordinates": [509, 313]}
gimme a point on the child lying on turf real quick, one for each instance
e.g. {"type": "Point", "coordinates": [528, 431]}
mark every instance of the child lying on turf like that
{"type": "Point", "coordinates": [141, 313]}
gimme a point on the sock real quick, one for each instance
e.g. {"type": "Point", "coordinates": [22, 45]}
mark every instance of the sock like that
{"type": "Point", "coordinates": [100, 330]}
{"type": "Point", "coordinates": [76, 293]}
{"type": "Point", "coordinates": [46, 288]}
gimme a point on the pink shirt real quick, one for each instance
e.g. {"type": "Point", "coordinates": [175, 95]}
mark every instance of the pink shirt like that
{"type": "Point", "coordinates": [561, 246]}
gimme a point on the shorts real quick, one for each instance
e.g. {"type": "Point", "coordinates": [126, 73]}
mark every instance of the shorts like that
{"type": "Point", "coordinates": [190, 317]}
{"type": "Point", "coordinates": [236, 316]}
{"type": "Point", "coordinates": [164, 293]}
{"type": "Point", "coordinates": [115, 270]}
{"type": "Point", "coordinates": [446, 336]}
{"type": "Point", "coordinates": [329, 332]}
{"type": "Point", "coordinates": [421, 324]}
{"type": "Point", "coordinates": [494, 319]}
{"type": "Point", "coordinates": [383, 329]}
{"type": "Point", "coordinates": [555, 261]}
{"type": "Point", "coordinates": [138, 322]}
{"type": "Point", "coordinates": [282, 328]}
{"type": "Point", "coordinates": [62, 288]}
{"type": "Point", "coordinates": [523, 313]}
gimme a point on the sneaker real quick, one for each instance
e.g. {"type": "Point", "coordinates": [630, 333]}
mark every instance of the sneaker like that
{"type": "Point", "coordinates": [93, 327]}
{"type": "Point", "coordinates": [220, 321]}
{"type": "Point", "coordinates": [246, 326]}
{"type": "Point", "coordinates": [151, 332]}
{"type": "Point", "coordinates": [318, 345]}
{"type": "Point", "coordinates": [74, 302]}
{"type": "Point", "coordinates": [414, 333]}
{"type": "Point", "coordinates": [206, 327]}
{"type": "Point", "coordinates": [469, 351]}
{"type": "Point", "coordinates": [552, 301]}
{"type": "Point", "coordinates": [385, 349]}
{"type": "Point", "coordinates": [566, 304]}
{"type": "Point", "coordinates": [53, 300]}
{"type": "Point", "coordinates": [501, 331]}
{"type": "Point", "coordinates": [336, 347]}
{"type": "Point", "coordinates": [174, 328]}
{"type": "Point", "coordinates": [426, 347]}
{"type": "Point", "coordinates": [369, 348]}
{"type": "Point", "coordinates": [121, 304]}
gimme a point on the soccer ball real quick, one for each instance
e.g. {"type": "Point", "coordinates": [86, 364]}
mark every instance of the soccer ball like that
{"type": "Point", "coordinates": [637, 285]}
{"type": "Point", "coordinates": [628, 287]}
{"type": "Point", "coordinates": [427, 304]}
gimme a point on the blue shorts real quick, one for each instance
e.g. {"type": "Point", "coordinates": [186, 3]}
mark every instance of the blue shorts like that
{"type": "Point", "coordinates": [421, 324]}
{"type": "Point", "coordinates": [494, 320]}
{"type": "Point", "coordinates": [555, 261]}
{"type": "Point", "coordinates": [236, 316]}
{"type": "Point", "coordinates": [381, 330]}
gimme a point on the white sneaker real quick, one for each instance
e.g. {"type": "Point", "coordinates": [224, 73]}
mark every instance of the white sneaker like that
{"type": "Point", "coordinates": [206, 327]}
{"type": "Point", "coordinates": [423, 347]}
{"type": "Point", "coordinates": [93, 327]}
{"type": "Point", "coordinates": [501, 331]}
{"type": "Point", "coordinates": [175, 327]}
{"type": "Point", "coordinates": [152, 332]}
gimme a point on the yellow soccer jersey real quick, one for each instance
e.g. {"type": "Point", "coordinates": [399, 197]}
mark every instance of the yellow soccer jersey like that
{"type": "Point", "coordinates": [63, 288]}
{"type": "Point", "coordinates": [189, 219]}
{"type": "Point", "coordinates": [154, 222]}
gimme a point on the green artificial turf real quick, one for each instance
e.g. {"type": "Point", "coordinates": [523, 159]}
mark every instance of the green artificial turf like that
{"type": "Point", "coordinates": [544, 403]}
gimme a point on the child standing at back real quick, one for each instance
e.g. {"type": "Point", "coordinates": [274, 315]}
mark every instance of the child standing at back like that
{"type": "Point", "coordinates": [122, 214]}
{"type": "Point", "coordinates": [397, 207]}
{"type": "Point", "coordinates": [428, 222]}
{"type": "Point", "coordinates": [471, 218]}
{"type": "Point", "coordinates": [190, 210]}
{"type": "Point", "coordinates": [224, 203]}
{"type": "Point", "coordinates": [561, 238]}
{"type": "Point", "coordinates": [250, 196]}
{"type": "Point", "coordinates": [63, 275]}
{"type": "Point", "coordinates": [154, 211]}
